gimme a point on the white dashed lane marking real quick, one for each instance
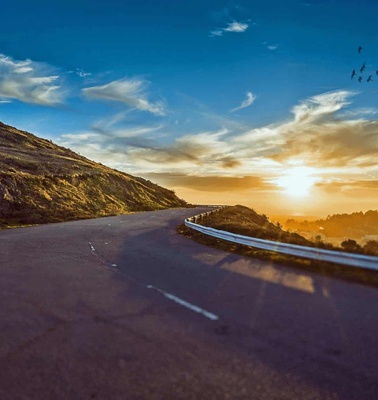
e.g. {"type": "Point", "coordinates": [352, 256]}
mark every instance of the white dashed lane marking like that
{"type": "Point", "coordinates": [185, 303]}
{"type": "Point", "coordinates": [102, 259]}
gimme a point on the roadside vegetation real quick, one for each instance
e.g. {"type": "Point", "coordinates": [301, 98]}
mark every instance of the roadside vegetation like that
{"type": "Point", "coordinates": [245, 221]}
{"type": "Point", "coordinates": [357, 232]}
{"type": "Point", "coordinates": [41, 182]}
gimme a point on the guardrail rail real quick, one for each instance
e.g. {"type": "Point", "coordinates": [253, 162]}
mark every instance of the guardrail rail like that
{"type": "Point", "coordinates": [339, 257]}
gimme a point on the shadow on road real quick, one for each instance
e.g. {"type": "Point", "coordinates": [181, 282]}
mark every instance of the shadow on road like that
{"type": "Point", "coordinates": [316, 329]}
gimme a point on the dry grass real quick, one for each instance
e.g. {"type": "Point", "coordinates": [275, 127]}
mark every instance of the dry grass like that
{"type": "Point", "coordinates": [41, 182]}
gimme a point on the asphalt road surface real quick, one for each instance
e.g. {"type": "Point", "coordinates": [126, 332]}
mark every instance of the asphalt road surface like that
{"type": "Point", "coordinates": [125, 308]}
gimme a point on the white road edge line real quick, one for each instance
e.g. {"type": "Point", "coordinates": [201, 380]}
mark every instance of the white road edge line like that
{"type": "Point", "coordinates": [184, 303]}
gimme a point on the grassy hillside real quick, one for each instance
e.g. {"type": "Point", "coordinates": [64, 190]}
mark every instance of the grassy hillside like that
{"type": "Point", "coordinates": [42, 182]}
{"type": "Point", "coordinates": [245, 221]}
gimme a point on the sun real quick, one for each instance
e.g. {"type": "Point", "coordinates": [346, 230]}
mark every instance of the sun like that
{"type": "Point", "coordinates": [297, 181]}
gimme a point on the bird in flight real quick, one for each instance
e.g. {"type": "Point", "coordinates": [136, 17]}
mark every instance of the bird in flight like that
{"type": "Point", "coordinates": [353, 73]}
{"type": "Point", "coordinates": [362, 68]}
{"type": "Point", "coordinates": [359, 50]}
{"type": "Point", "coordinates": [359, 78]}
{"type": "Point", "coordinates": [369, 79]}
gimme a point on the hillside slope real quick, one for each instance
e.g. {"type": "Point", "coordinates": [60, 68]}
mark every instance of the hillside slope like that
{"type": "Point", "coordinates": [42, 182]}
{"type": "Point", "coordinates": [246, 221]}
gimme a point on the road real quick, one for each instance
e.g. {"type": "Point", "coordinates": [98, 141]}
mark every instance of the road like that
{"type": "Point", "coordinates": [125, 308]}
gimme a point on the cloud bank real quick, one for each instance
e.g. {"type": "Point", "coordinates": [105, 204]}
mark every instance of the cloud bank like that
{"type": "Point", "coordinates": [315, 136]}
{"type": "Point", "coordinates": [320, 137]}
{"type": "Point", "coordinates": [211, 183]}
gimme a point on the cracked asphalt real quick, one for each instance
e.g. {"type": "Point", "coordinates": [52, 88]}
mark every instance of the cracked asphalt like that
{"type": "Point", "coordinates": [78, 319]}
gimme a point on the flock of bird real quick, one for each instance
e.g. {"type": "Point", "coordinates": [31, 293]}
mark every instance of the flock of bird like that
{"type": "Point", "coordinates": [362, 69]}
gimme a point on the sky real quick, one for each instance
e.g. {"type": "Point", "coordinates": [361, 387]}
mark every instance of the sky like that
{"type": "Point", "coordinates": [244, 102]}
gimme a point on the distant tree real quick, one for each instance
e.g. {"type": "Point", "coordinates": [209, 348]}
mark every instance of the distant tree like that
{"type": "Point", "coordinates": [371, 247]}
{"type": "Point", "coordinates": [351, 245]}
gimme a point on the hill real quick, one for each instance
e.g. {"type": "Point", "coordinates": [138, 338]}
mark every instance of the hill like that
{"type": "Point", "coordinates": [355, 225]}
{"type": "Point", "coordinates": [246, 221]}
{"type": "Point", "coordinates": [42, 182]}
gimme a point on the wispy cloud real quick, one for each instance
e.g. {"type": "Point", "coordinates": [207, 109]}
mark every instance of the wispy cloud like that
{"type": "Point", "coordinates": [30, 82]}
{"type": "Point", "coordinates": [360, 112]}
{"type": "Point", "coordinates": [139, 147]}
{"type": "Point", "coordinates": [116, 128]}
{"type": "Point", "coordinates": [80, 72]}
{"type": "Point", "coordinates": [210, 183]}
{"type": "Point", "coordinates": [216, 32]}
{"type": "Point", "coordinates": [321, 106]}
{"type": "Point", "coordinates": [321, 137]}
{"type": "Point", "coordinates": [237, 161]}
{"type": "Point", "coordinates": [270, 47]}
{"type": "Point", "coordinates": [236, 27]}
{"type": "Point", "coordinates": [188, 152]}
{"type": "Point", "coordinates": [128, 91]}
{"type": "Point", "coordinates": [246, 103]}
{"type": "Point", "coordinates": [315, 136]}
{"type": "Point", "coordinates": [349, 185]}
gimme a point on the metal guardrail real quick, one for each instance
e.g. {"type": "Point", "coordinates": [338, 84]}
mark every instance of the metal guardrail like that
{"type": "Point", "coordinates": [339, 257]}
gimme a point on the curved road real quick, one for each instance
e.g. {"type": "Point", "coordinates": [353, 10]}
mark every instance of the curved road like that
{"type": "Point", "coordinates": [125, 308]}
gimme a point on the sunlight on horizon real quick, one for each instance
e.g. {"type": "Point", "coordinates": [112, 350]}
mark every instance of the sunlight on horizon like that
{"type": "Point", "coordinates": [297, 181]}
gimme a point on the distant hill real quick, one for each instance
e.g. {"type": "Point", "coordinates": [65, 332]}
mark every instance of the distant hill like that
{"type": "Point", "coordinates": [42, 182]}
{"type": "Point", "coordinates": [355, 225]}
{"type": "Point", "coordinates": [246, 221]}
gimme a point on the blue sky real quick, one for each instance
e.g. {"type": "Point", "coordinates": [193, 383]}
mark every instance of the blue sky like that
{"type": "Point", "coordinates": [223, 101]}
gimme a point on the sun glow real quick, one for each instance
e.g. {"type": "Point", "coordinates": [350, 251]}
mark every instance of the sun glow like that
{"type": "Point", "coordinates": [297, 181]}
